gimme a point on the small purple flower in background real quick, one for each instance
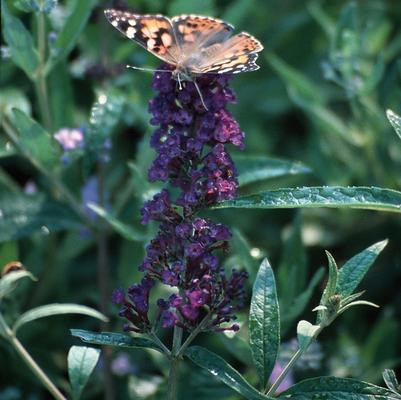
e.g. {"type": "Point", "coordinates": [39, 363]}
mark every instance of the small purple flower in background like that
{"type": "Point", "coordinates": [122, 365]}
{"type": "Point", "coordinates": [69, 139]}
{"type": "Point", "coordinates": [90, 194]}
{"type": "Point", "coordinates": [30, 188]}
{"type": "Point", "coordinates": [191, 142]}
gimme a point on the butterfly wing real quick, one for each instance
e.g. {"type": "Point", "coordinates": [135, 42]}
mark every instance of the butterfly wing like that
{"type": "Point", "coordinates": [237, 54]}
{"type": "Point", "coordinates": [152, 32]}
{"type": "Point", "coordinates": [194, 32]}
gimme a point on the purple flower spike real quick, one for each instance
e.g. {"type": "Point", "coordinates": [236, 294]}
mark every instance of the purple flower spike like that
{"type": "Point", "coordinates": [191, 139]}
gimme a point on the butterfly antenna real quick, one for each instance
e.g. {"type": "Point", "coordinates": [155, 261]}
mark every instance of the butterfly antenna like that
{"type": "Point", "coordinates": [147, 69]}
{"type": "Point", "coordinates": [200, 95]}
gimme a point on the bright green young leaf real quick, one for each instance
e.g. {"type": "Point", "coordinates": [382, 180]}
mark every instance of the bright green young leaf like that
{"type": "Point", "coordinates": [331, 285]}
{"type": "Point", "coordinates": [8, 281]}
{"type": "Point", "coordinates": [35, 143]}
{"type": "Point", "coordinates": [126, 231]}
{"type": "Point", "coordinates": [367, 198]}
{"type": "Point", "coordinates": [391, 381]}
{"type": "Point", "coordinates": [20, 41]}
{"type": "Point", "coordinates": [70, 33]}
{"type": "Point", "coordinates": [331, 388]}
{"type": "Point", "coordinates": [23, 215]}
{"type": "Point", "coordinates": [114, 339]}
{"type": "Point", "coordinates": [264, 322]}
{"type": "Point", "coordinates": [56, 309]}
{"type": "Point", "coordinates": [305, 333]}
{"type": "Point", "coordinates": [81, 363]}
{"type": "Point", "coordinates": [353, 271]}
{"type": "Point", "coordinates": [252, 169]}
{"type": "Point", "coordinates": [395, 121]}
{"type": "Point", "coordinates": [219, 368]}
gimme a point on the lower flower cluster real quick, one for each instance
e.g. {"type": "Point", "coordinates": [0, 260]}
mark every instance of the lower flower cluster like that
{"type": "Point", "coordinates": [190, 142]}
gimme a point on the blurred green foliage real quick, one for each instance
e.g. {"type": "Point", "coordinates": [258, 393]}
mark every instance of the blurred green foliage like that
{"type": "Point", "coordinates": [315, 114]}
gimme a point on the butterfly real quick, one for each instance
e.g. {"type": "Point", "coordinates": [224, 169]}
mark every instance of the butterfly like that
{"type": "Point", "coordinates": [192, 44]}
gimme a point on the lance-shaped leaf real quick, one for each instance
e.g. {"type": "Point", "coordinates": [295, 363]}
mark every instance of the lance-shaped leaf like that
{"type": "Point", "coordinates": [56, 309]}
{"type": "Point", "coordinates": [367, 198]}
{"type": "Point", "coordinates": [113, 339]}
{"type": "Point", "coordinates": [23, 215]}
{"type": "Point", "coordinates": [219, 368]}
{"type": "Point", "coordinates": [253, 169]}
{"type": "Point", "coordinates": [20, 42]}
{"type": "Point", "coordinates": [35, 143]}
{"type": "Point", "coordinates": [126, 231]}
{"type": "Point", "coordinates": [331, 388]}
{"type": "Point", "coordinates": [70, 32]}
{"type": "Point", "coordinates": [81, 363]}
{"type": "Point", "coordinates": [391, 381]}
{"type": "Point", "coordinates": [8, 281]}
{"type": "Point", "coordinates": [353, 271]}
{"type": "Point", "coordinates": [264, 322]}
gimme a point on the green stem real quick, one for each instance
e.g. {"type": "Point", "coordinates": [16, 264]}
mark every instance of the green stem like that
{"type": "Point", "coordinates": [174, 364]}
{"type": "Point", "coordinates": [30, 362]}
{"type": "Point", "coordinates": [192, 335]}
{"type": "Point", "coordinates": [157, 341]}
{"type": "Point", "coordinates": [40, 83]}
{"type": "Point", "coordinates": [293, 360]}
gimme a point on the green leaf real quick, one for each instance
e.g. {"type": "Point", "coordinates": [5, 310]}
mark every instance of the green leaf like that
{"type": "Point", "coordinates": [13, 98]}
{"type": "Point", "coordinates": [331, 388]}
{"type": "Point", "coordinates": [203, 7]}
{"type": "Point", "coordinates": [306, 88]}
{"type": "Point", "coordinates": [395, 121]}
{"type": "Point", "coordinates": [331, 285]}
{"type": "Point", "coordinates": [305, 333]}
{"type": "Point", "coordinates": [367, 198]}
{"type": "Point", "coordinates": [35, 143]}
{"type": "Point", "coordinates": [8, 281]}
{"type": "Point", "coordinates": [81, 363]}
{"type": "Point", "coordinates": [391, 381]}
{"type": "Point", "coordinates": [70, 33]}
{"type": "Point", "coordinates": [257, 168]}
{"type": "Point", "coordinates": [56, 309]}
{"type": "Point", "coordinates": [23, 215]}
{"type": "Point", "coordinates": [114, 339]}
{"type": "Point", "coordinates": [353, 271]}
{"type": "Point", "coordinates": [223, 371]}
{"type": "Point", "coordinates": [264, 322]}
{"type": "Point", "coordinates": [126, 231]}
{"type": "Point", "coordinates": [27, 5]}
{"type": "Point", "coordinates": [20, 41]}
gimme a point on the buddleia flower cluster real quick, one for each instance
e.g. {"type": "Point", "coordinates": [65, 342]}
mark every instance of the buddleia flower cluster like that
{"type": "Point", "coordinates": [191, 139]}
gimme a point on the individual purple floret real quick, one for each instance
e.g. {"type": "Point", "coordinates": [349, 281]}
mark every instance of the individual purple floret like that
{"type": "Point", "coordinates": [193, 131]}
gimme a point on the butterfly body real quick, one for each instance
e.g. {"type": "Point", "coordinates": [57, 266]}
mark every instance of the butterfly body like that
{"type": "Point", "coordinates": [192, 44]}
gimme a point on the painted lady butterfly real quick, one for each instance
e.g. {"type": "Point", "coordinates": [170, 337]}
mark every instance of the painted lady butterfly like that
{"type": "Point", "coordinates": [192, 44]}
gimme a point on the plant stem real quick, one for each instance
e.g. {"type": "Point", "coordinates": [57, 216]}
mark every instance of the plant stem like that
{"type": "Point", "coordinates": [103, 274]}
{"type": "Point", "coordinates": [174, 364]}
{"type": "Point", "coordinates": [193, 334]}
{"type": "Point", "coordinates": [293, 360]}
{"type": "Point", "coordinates": [40, 83]}
{"type": "Point", "coordinates": [284, 372]}
{"type": "Point", "coordinates": [155, 339]}
{"type": "Point", "coordinates": [38, 372]}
